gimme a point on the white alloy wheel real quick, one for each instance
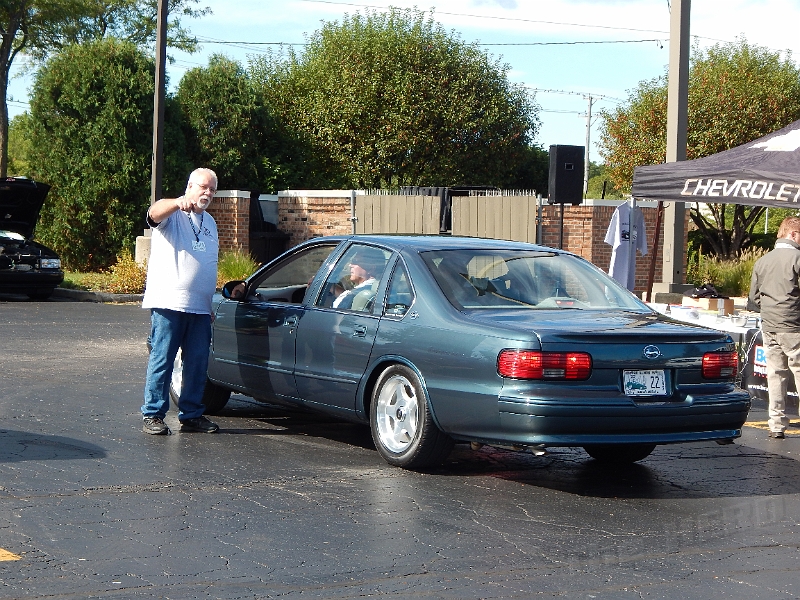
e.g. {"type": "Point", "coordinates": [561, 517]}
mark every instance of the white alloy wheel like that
{"type": "Point", "coordinates": [397, 413]}
{"type": "Point", "coordinates": [402, 425]}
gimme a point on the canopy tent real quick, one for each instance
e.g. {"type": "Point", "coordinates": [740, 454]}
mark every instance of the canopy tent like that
{"type": "Point", "coordinates": [765, 172]}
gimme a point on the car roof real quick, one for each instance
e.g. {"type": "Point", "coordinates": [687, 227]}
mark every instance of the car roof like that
{"type": "Point", "coordinates": [422, 243]}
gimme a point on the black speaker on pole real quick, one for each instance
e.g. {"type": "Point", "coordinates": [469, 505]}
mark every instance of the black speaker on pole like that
{"type": "Point", "coordinates": [565, 185]}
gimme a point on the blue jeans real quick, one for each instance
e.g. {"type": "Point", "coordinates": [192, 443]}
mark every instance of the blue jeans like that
{"type": "Point", "coordinates": [169, 331]}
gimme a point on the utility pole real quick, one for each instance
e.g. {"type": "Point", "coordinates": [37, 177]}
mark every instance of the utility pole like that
{"type": "Point", "coordinates": [158, 109]}
{"type": "Point", "coordinates": [588, 136]}
{"type": "Point", "coordinates": [674, 256]}
{"type": "Point", "coordinates": [142, 251]}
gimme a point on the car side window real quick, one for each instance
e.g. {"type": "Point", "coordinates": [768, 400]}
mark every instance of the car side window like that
{"type": "Point", "coordinates": [289, 280]}
{"type": "Point", "coordinates": [400, 295]}
{"type": "Point", "coordinates": [354, 280]}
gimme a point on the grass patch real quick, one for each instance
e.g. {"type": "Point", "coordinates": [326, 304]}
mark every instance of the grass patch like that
{"type": "Point", "coordinates": [234, 264]}
{"type": "Point", "coordinates": [127, 277]}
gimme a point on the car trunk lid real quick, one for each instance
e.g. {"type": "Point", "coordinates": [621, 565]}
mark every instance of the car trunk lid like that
{"type": "Point", "coordinates": [21, 201]}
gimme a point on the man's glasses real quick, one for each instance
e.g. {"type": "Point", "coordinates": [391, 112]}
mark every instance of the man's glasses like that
{"type": "Point", "coordinates": [208, 188]}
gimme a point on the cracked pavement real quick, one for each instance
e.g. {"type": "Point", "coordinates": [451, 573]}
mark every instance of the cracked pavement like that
{"type": "Point", "coordinates": [286, 505]}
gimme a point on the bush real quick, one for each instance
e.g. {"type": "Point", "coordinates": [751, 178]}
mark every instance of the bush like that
{"type": "Point", "coordinates": [126, 276]}
{"type": "Point", "coordinates": [90, 137]}
{"type": "Point", "coordinates": [729, 277]}
{"type": "Point", "coordinates": [234, 264]}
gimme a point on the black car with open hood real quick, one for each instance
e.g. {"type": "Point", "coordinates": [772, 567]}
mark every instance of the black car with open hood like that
{"type": "Point", "coordinates": [26, 267]}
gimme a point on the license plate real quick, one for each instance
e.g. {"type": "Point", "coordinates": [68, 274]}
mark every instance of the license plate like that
{"type": "Point", "coordinates": [644, 383]}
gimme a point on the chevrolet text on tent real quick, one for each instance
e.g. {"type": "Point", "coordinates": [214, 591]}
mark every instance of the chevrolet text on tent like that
{"type": "Point", "coordinates": [743, 188]}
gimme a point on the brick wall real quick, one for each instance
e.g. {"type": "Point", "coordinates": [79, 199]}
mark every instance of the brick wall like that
{"type": "Point", "coordinates": [585, 229]}
{"type": "Point", "coordinates": [231, 211]}
{"type": "Point", "coordinates": [309, 214]}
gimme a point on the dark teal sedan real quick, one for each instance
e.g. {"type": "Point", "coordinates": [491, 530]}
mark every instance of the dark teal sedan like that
{"type": "Point", "coordinates": [437, 340]}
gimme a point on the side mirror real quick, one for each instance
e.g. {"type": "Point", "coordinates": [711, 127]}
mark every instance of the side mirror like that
{"type": "Point", "coordinates": [234, 290]}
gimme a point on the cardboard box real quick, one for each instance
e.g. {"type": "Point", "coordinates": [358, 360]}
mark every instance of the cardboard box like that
{"type": "Point", "coordinates": [714, 304]}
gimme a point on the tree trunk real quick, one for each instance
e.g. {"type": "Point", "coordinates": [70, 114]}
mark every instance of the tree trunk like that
{"type": "Point", "coordinates": [726, 242]}
{"type": "Point", "coordinates": [7, 53]}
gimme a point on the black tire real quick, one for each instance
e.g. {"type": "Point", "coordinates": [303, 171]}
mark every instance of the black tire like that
{"type": "Point", "coordinates": [214, 397]}
{"type": "Point", "coordinates": [619, 453]}
{"type": "Point", "coordinates": [402, 426]}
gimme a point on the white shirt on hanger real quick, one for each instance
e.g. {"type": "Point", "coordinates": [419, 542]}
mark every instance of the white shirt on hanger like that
{"type": "Point", "coordinates": [623, 254]}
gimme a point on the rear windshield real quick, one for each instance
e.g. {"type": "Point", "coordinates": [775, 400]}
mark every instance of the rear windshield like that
{"type": "Point", "coordinates": [475, 279]}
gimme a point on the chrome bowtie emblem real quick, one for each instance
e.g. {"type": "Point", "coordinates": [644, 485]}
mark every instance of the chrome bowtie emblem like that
{"type": "Point", "coordinates": [651, 352]}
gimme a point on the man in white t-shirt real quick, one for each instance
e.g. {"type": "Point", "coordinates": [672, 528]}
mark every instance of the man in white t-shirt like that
{"type": "Point", "coordinates": [363, 268]}
{"type": "Point", "coordinates": [181, 280]}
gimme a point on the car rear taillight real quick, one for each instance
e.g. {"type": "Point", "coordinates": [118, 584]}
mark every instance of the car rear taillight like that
{"type": "Point", "coordinates": [534, 364]}
{"type": "Point", "coordinates": [720, 365]}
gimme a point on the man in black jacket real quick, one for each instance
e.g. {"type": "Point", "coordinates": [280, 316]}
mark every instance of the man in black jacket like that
{"type": "Point", "coordinates": [775, 292]}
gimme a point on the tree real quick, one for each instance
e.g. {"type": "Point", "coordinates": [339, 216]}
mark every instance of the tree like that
{"type": "Point", "coordinates": [533, 172]}
{"type": "Point", "coordinates": [391, 99]}
{"type": "Point", "coordinates": [232, 130]}
{"type": "Point", "coordinates": [19, 145]}
{"type": "Point", "coordinates": [40, 28]}
{"type": "Point", "coordinates": [737, 93]}
{"type": "Point", "coordinates": [600, 185]}
{"type": "Point", "coordinates": [87, 140]}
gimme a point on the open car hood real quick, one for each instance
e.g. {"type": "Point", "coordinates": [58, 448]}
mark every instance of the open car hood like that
{"type": "Point", "coordinates": [20, 203]}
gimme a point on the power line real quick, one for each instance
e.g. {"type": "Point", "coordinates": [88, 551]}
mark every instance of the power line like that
{"type": "Point", "coordinates": [571, 93]}
{"type": "Point", "coordinates": [515, 19]}
{"type": "Point", "coordinates": [564, 112]}
{"type": "Point", "coordinates": [452, 14]}
{"type": "Point", "coordinates": [574, 43]}
{"type": "Point", "coordinates": [209, 41]}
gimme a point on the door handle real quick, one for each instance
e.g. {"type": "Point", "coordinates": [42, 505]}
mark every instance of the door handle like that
{"type": "Point", "coordinates": [360, 331]}
{"type": "Point", "coordinates": [290, 321]}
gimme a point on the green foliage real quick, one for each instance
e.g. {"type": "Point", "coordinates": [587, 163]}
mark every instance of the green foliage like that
{"type": "Point", "coordinates": [731, 277]}
{"type": "Point", "coordinates": [635, 133]}
{"type": "Point", "coordinates": [40, 28]}
{"type": "Point", "coordinates": [90, 138]}
{"type": "Point", "coordinates": [533, 172]}
{"type": "Point", "coordinates": [231, 130]}
{"type": "Point", "coordinates": [19, 144]}
{"type": "Point", "coordinates": [391, 99]}
{"type": "Point", "coordinates": [234, 265]}
{"type": "Point", "coordinates": [776, 215]}
{"type": "Point", "coordinates": [49, 26]}
{"type": "Point", "coordinates": [598, 180]}
{"type": "Point", "coordinates": [737, 93]}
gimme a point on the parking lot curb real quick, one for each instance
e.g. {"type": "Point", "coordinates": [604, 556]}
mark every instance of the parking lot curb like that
{"type": "Point", "coordinates": [85, 296]}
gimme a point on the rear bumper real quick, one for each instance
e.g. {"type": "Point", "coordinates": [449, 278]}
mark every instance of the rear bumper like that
{"type": "Point", "coordinates": [556, 422]}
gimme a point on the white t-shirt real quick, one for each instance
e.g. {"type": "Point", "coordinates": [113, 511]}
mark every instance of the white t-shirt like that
{"type": "Point", "coordinates": [344, 299]}
{"type": "Point", "coordinates": [182, 269]}
{"type": "Point", "coordinates": [623, 266]}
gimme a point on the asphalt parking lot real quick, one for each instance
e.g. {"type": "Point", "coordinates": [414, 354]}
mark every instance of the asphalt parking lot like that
{"type": "Point", "coordinates": [286, 505]}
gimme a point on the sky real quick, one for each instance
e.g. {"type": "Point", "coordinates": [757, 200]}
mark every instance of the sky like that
{"type": "Point", "coordinates": [563, 51]}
